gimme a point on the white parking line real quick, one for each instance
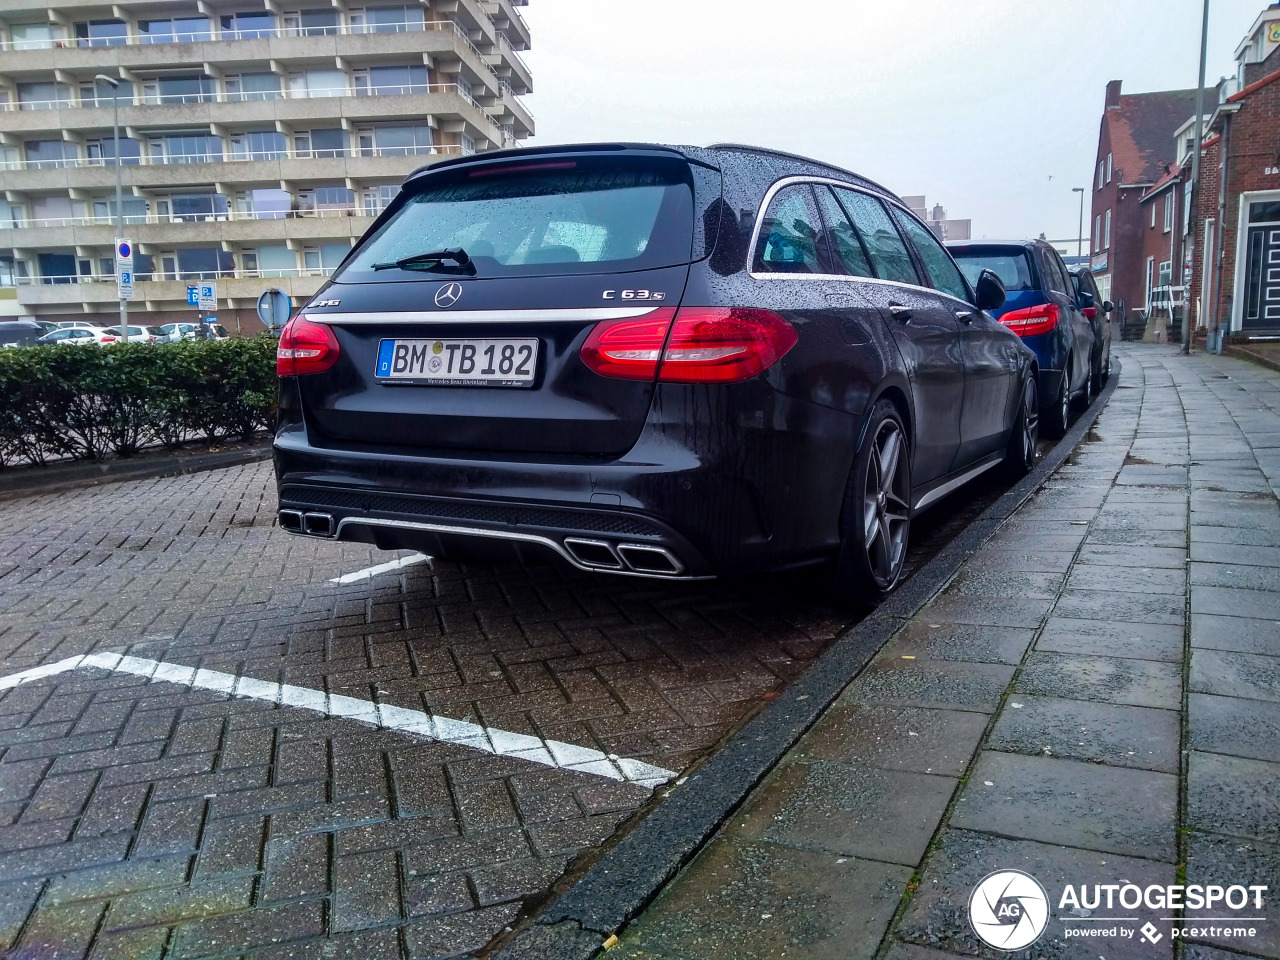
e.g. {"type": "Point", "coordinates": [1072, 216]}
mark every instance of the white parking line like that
{"type": "Point", "coordinates": [549, 753]}
{"type": "Point", "coordinates": [368, 572]}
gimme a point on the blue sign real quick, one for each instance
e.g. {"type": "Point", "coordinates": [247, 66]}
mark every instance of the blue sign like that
{"type": "Point", "coordinates": [125, 250]}
{"type": "Point", "coordinates": [193, 296]}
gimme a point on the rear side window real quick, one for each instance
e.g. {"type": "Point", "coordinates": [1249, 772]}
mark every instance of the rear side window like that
{"type": "Point", "coordinates": [586, 215]}
{"type": "Point", "coordinates": [944, 274]}
{"type": "Point", "coordinates": [1053, 272]}
{"type": "Point", "coordinates": [842, 238]}
{"type": "Point", "coordinates": [1013, 267]}
{"type": "Point", "coordinates": [888, 253]}
{"type": "Point", "coordinates": [789, 240]}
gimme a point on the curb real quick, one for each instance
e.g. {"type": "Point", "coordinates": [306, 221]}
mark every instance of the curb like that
{"type": "Point", "coordinates": [1244, 353]}
{"type": "Point", "coordinates": [70, 476]}
{"type": "Point", "coordinates": [632, 872]}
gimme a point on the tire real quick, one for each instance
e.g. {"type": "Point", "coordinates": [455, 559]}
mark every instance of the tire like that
{"type": "Point", "coordinates": [1086, 392]}
{"type": "Point", "coordinates": [1058, 416]}
{"type": "Point", "coordinates": [875, 522]}
{"type": "Point", "coordinates": [1106, 368]}
{"type": "Point", "coordinates": [1096, 378]}
{"type": "Point", "coordinates": [1020, 454]}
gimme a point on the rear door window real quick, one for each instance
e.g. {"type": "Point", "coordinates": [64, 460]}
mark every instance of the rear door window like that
{"type": "Point", "coordinates": [943, 273]}
{"type": "Point", "coordinates": [584, 215]}
{"type": "Point", "coordinates": [789, 235]}
{"type": "Point", "coordinates": [1053, 274]}
{"type": "Point", "coordinates": [1012, 266]}
{"type": "Point", "coordinates": [888, 253]}
{"type": "Point", "coordinates": [842, 238]}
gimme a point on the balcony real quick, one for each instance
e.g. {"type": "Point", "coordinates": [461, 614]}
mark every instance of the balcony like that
{"type": "Point", "coordinates": [326, 223]}
{"type": "Point", "coordinates": [99, 290]}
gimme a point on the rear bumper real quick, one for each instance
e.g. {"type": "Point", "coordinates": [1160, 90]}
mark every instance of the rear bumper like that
{"type": "Point", "coordinates": [684, 503]}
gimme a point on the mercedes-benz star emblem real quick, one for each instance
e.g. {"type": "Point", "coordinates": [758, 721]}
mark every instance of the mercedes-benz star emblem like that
{"type": "Point", "coordinates": [448, 295]}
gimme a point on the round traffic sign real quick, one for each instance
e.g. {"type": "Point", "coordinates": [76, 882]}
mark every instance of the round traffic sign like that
{"type": "Point", "coordinates": [125, 250]}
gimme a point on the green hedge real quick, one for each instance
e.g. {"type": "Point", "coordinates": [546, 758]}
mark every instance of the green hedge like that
{"type": "Point", "coordinates": [84, 402]}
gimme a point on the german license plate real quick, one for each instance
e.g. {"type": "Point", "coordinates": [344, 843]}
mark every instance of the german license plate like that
{"type": "Point", "coordinates": [469, 363]}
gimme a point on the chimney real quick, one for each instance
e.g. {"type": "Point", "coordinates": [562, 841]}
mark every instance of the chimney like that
{"type": "Point", "coordinates": [1113, 93]}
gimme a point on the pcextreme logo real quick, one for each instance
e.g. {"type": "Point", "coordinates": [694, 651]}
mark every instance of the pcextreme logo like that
{"type": "Point", "coordinates": [1010, 910]}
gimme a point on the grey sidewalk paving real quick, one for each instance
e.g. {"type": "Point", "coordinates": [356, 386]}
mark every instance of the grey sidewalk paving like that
{"type": "Point", "coordinates": [1093, 699]}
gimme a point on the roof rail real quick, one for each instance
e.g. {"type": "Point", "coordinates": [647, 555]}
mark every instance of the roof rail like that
{"type": "Point", "coordinates": [751, 148]}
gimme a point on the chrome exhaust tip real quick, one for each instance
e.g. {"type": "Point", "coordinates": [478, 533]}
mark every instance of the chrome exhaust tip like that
{"type": "Point", "coordinates": [318, 524]}
{"type": "Point", "coordinates": [643, 558]}
{"type": "Point", "coordinates": [290, 520]}
{"type": "Point", "coordinates": [592, 553]}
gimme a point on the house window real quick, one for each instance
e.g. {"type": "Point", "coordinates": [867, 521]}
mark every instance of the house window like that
{"type": "Point", "coordinates": [318, 83]}
{"type": "Point", "coordinates": [43, 96]}
{"type": "Point", "coordinates": [248, 26]}
{"type": "Point", "coordinates": [388, 19]}
{"type": "Point", "coordinates": [1168, 211]}
{"type": "Point", "coordinates": [1101, 167]}
{"type": "Point", "coordinates": [35, 36]}
{"type": "Point", "coordinates": [1153, 214]}
{"type": "Point", "coordinates": [381, 81]}
{"type": "Point", "coordinates": [1097, 232]}
{"type": "Point", "coordinates": [267, 203]}
{"type": "Point", "coordinates": [46, 154]}
{"type": "Point", "coordinates": [1164, 274]}
{"type": "Point", "coordinates": [377, 198]}
{"type": "Point", "coordinates": [101, 33]}
{"type": "Point", "coordinates": [330, 142]}
{"type": "Point", "coordinates": [135, 209]}
{"type": "Point", "coordinates": [253, 86]}
{"type": "Point", "coordinates": [1108, 168]}
{"type": "Point", "coordinates": [311, 23]}
{"type": "Point", "coordinates": [1151, 278]}
{"type": "Point", "coordinates": [391, 141]}
{"type": "Point", "coordinates": [186, 148]}
{"type": "Point", "coordinates": [323, 260]}
{"type": "Point", "coordinates": [1106, 231]}
{"type": "Point", "coordinates": [468, 145]}
{"type": "Point", "coordinates": [177, 30]}
{"type": "Point", "coordinates": [319, 199]}
{"type": "Point", "coordinates": [102, 153]}
{"type": "Point", "coordinates": [182, 88]}
{"type": "Point", "coordinates": [100, 95]}
{"type": "Point", "coordinates": [258, 145]}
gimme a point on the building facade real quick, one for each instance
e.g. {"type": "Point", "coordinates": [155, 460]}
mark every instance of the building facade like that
{"type": "Point", "coordinates": [1135, 146]}
{"type": "Point", "coordinates": [935, 218]}
{"type": "Point", "coordinates": [1236, 279]}
{"type": "Point", "coordinates": [258, 141]}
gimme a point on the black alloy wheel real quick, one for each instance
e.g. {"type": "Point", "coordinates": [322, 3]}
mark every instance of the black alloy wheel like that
{"type": "Point", "coordinates": [1106, 368]}
{"type": "Point", "coordinates": [1086, 392]}
{"type": "Point", "coordinates": [876, 522]}
{"type": "Point", "coordinates": [1096, 376]}
{"type": "Point", "coordinates": [1020, 455]}
{"type": "Point", "coordinates": [1059, 416]}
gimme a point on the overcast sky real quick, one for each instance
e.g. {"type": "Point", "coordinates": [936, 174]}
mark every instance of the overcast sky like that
{"type": "Point", "coordinates": [990, 107]}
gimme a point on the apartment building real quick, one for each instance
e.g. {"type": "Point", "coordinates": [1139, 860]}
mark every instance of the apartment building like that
{"type": "Point", "coordinates": [258, 140]}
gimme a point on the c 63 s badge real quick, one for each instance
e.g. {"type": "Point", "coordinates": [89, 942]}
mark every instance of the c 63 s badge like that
{"type": "Point", "coordinates": [633, 295]}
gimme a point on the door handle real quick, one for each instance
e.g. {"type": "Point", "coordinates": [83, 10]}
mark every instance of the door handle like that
{"type": "Point", "coordinates": [899, 312]}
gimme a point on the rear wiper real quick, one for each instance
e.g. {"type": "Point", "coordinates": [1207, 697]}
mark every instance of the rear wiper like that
{"type": "Point", "coordinates": [432, 259]}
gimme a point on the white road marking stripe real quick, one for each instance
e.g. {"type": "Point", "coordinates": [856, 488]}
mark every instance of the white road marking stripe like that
{"type": "Point", "coordinates": [549, 753]}
{"type": "Point", "coordinates": [368, 572]}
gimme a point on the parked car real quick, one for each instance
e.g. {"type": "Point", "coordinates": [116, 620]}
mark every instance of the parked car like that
{"type": "Point", "coordinates": [19, 333]}
{"type": "Point", "coordinates": [76, 336]}
{"type": "Point", "coordinates": [138, 334]}
{"type": "Point", "coordinates": [177, 331]}
{"type": "Point", "coordinates": [656, 361]}
{"type": "Point", "coordinates": [75, 325]}
{"type": "Point", "coordinates": [1043, 310]}
{"type": "Point", "coordinates": [1099, 313]}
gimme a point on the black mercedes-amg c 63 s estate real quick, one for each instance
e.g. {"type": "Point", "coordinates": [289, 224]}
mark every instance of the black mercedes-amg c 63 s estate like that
{"type": "Point", "coordinates": [654, 361]}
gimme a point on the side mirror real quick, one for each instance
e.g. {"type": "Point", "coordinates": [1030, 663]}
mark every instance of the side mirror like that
{"type": "Point", "coordinates": [1107, 306]}
{"type": "Point", "coordinates": [990, 291]}
{"type": "Point", "coordinates": [1085, 299]}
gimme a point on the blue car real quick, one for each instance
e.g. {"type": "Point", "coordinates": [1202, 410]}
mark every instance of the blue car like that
{"type": "Point", "coordinates": [1042, 307]}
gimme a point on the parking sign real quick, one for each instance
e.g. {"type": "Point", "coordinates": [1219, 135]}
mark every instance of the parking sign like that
{"type": "Point", "coordinates": [193, 295]}
{"type": "Point", "coordinates": [124, 268]}
{"type": "Point", "coordinates": [208, 296]}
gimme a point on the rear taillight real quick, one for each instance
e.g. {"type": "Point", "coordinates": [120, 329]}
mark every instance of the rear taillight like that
{"type": "Point", "coordinates": [305, 347]}
{"type": "Point", "coordinates": [702, 345]}
{"type": "Point", "coordinates": [1090, 313]}
{"type": "Point", "coordinates": [1030, 321]}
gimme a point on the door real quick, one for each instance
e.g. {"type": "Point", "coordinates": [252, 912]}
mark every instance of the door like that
{"type": "Point", "coordinates": [987, 355]}
{"type": "Point", "coordinates": [1262, 268]}
{"type": "Point", "coordinates": [924, 326]}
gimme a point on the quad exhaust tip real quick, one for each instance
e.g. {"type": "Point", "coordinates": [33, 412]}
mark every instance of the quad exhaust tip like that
{"type": "Point", "coordinates": [312, 523]}
{"type": "Point", "coordinates": [635, 557]}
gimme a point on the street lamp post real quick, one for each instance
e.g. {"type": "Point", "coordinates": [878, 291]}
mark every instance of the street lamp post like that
{"type": "Point", "coordinates": [1196, 237]}
{"type": "Point", "coordinates": [115, 137]}
{"type": "Point", "coordinates": [1080, 233]}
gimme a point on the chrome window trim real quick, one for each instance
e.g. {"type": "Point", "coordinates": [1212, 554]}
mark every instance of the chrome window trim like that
{"type": "Point", "coordinates": [576, 315]}
{"type": "Point", "coordinates": [790, 181]}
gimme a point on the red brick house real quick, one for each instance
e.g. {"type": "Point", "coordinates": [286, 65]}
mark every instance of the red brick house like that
{"type": "Point", "coordinates": [1236, 283]}
{"type": "Point", "coordinates": [1135, 146]}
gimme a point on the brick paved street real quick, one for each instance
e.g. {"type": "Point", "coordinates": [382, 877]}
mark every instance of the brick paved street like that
{"type": "Point", "coordinates": [145, 819]}
{"type": "Point", "coordinates": [1093, 699]}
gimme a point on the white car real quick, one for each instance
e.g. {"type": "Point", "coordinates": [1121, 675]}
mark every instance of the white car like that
{"type": "Point", "coordinates": [76, 336]}
{"type": "Point", "coordinates": [136, 334]}
{"type": "Point", "coordinates": [177, 331]}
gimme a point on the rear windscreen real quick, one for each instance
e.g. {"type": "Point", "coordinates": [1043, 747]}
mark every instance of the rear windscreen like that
{"type": "Point", "coordinates": [537, 218]}
{"type": "Point", "coordinates": [1012, 266]}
